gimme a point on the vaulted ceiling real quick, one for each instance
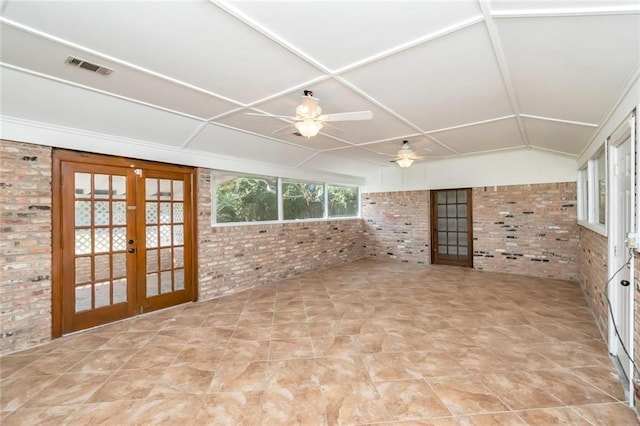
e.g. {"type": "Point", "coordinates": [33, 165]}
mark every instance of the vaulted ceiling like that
{"type": "Point", "coordinates": [455, 78]}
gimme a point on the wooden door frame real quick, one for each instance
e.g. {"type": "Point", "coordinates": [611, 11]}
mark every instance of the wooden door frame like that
{"type": "Point", "coordinates": [433, 205]}
{"type": "Point", "coordinates": [58, 158]}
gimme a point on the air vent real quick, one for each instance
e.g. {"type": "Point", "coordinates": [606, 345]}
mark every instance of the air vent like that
{"type": "Point", "coordinates": [71, 60]}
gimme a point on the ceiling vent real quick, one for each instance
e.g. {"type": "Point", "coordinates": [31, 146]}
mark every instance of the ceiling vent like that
{"type": "Point", "coordinates": [77, 62]}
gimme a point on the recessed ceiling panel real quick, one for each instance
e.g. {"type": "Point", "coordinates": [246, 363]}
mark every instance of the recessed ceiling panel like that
{"type": "Point", "coordinates": [336, 98]}
{"type": "Point", "coordinates": [44, 56]}
{"type": "Point", "coordinates": [338, 34]}
{"type": "Point", "coordinates": [449, 81]}
{"type": "Point", "coordinates": [491, 136]}
{"type": "Point", "coordinates": [577, 5]}
{"type": "Point", "coordinates": [351, 163]}
{"type": "Point", "coordinates": [195, 42]}
{"type": "Point", "coordinates": [224, 141]}
{"type": "Point", "coordinates": [559, 137]}
{"type": "Point", "coordinates": [42, 100]}
{"type": "Point", "coordinates": [570, 68]}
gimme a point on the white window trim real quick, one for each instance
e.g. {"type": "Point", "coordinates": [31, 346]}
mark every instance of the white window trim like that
{"type": "Point", "coordinates": [280, 203]}
{"type": "Point", "coordinates": [592, 208]}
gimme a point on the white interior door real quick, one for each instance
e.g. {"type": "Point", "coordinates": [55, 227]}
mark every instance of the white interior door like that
{"type": "Point", "coordinates": [620, 288]}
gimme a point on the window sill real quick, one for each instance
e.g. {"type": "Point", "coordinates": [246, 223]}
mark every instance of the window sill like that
{"type": "Point", "coordinates": [276, 222]}
{"type": "Point", "coordinates": [597, 228]}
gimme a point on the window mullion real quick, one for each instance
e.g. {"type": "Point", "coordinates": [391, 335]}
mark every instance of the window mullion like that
{"type": "Point", "coordinates": [325, 196]}
{"type": "Point", "coordinates": [280, 202]}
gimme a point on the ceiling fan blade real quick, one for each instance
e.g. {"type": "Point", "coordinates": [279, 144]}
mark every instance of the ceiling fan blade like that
{"type": "Point", "coordinates": [270, 115]}
{"type": "Point", "coordinates": [347, 116]}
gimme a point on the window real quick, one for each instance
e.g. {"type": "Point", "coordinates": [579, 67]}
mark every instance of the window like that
{"type": "Point", "coordinates": [583, 194]}
{"type": "Point", "coordinates": [600, 174]}
{"type": "Point", "coordinates": [343, 201]}
{"type": "Point", "coordinates": [245, 198]}
{"type": "Point", "coordinates": [302, 200]}
{"type": "Point", "coordinates": [592, 193]}
{"type": "Point", "coordinates": [248, 198]}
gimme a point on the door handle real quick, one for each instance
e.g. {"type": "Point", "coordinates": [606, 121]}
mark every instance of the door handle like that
{"type": "Point", "coordinates": [131, 250]}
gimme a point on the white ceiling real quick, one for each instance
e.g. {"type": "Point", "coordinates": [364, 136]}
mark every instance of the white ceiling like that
{"type": "Point", "coordinates": [456, 78]}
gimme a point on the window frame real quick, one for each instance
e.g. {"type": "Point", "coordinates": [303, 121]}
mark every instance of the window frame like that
{"type": "Point", "coordinates": [280, 201]}
{"type": "Point", "coordinates": [214, 198]}
{"type": "Point", "coordinates": [327, 199]}
{"type": "Point", "coordinates": [589, 197]}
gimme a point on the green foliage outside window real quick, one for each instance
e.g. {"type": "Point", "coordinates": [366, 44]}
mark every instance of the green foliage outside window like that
{"type": "Point", "coordinates": [255, 199]}
{"type": "Point", "coordinates": [302, 200]}
{"type": "Point", "coordinates": [343, 201]}
{"type": "Point", "coordinates": [247, 199]}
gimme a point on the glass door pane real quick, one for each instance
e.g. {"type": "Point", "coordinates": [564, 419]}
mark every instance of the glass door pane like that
{"type": "Point", "coordinates": [99, 245]}
{"type": "Point", "coordinates": [164, 235]}
{"type": "Point", "coordinates": [451, 227]}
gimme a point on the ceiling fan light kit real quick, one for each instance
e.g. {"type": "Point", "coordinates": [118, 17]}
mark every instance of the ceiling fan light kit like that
{"type": "Point", "coordinates": [309, 118]}
{"type": "Point", "coordinates": [308, 127]}
{"type": "Point", "coordinates": [404, 162]}
{"type": "Point", "coordinates": [405, 156]}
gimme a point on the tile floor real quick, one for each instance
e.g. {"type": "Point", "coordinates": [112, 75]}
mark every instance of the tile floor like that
{"type": "Point", "coordinates": [363, 343]}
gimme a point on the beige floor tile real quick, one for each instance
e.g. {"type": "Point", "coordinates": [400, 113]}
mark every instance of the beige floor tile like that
{"type": "Point", "coordinates": [178, 381]}
{"type": "Point", "coordinates": [520, 391]}
{"type": "Point", "coordinates": [231, 408]}
{"type": "Point", "coordinates": [603, 378]}
{"type": "Point", "coordinates": [495, 419]}
{"type": "Point", "coordinates": [383, 367]}
{"type": "Point", "coordinates": [246, 350]}
{"type": "Point", "coordinates": [290, 348]}
{"type": "Point", "coordinates": [101, 413]}
{"type": "Point", "coordinates": [291, 330]}
{"type": "Point", "coordinates": [341, 369]}
{"type": "Point", "coordinates": [568, 388]}
{"type": "Point", "coordinates": [39, 416]}
{"type": "Point", "coordinates": [53, 364]}
{"type": "Point", "coordinates": [128, 385]}
{"type": "Point", "coordinates": [291, 373]}
{"type": "Point", "coordinates": [69, 389]}
{"type": "Point", "coordinates": [170, 411]}
{"type": "Point", "coordinates": [152, 357]}
{"type": "Point", "coordinates": [16, 391]}
{"type": "Point", "coordinates": [465, 395]}
{"type": "Point", "coordinates": [11, 364]}
{"type": "Point", "coordinates": [411, 399]}
{"type": "Point", "coordinates": [103, 360]}
{"type": "Point", "coordinates": [292, 406]}
{"type": "Point", "coordinates": [608, 414]}
{"type": "Point", "coordinates": [553, 416]}
{"type": "Point", "coordinates": [239, 377]}
{"type": "Point", "coordinates": [361, 343]}
{"type": "Point", "coordinates": [353, 403]}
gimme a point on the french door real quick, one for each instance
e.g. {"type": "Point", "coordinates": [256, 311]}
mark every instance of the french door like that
{"type": "Point", "coordinates": [451, 227]}
{"type": "Point", "coordinates": [123, 239]}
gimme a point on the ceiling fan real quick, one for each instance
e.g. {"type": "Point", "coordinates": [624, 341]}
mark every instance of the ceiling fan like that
{"type": "Point", "coordinates": [405, 156]}
{"type": "Point", "coordinates": [309, 118]}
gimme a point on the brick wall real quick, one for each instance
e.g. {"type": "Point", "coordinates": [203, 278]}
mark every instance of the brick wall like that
{"type": "Point", "coordinates": [234, 258]}
{"type": "Point", "coordinates": [519, 229]}
{"type": "Point", "coordinates": [396, 226]}
{"type": "Point", "coordinates": [25, 245]}
{"type": "Point", "coordinates": [527, 229]}
{"type": "Point", "coordinates": [593, 267]}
